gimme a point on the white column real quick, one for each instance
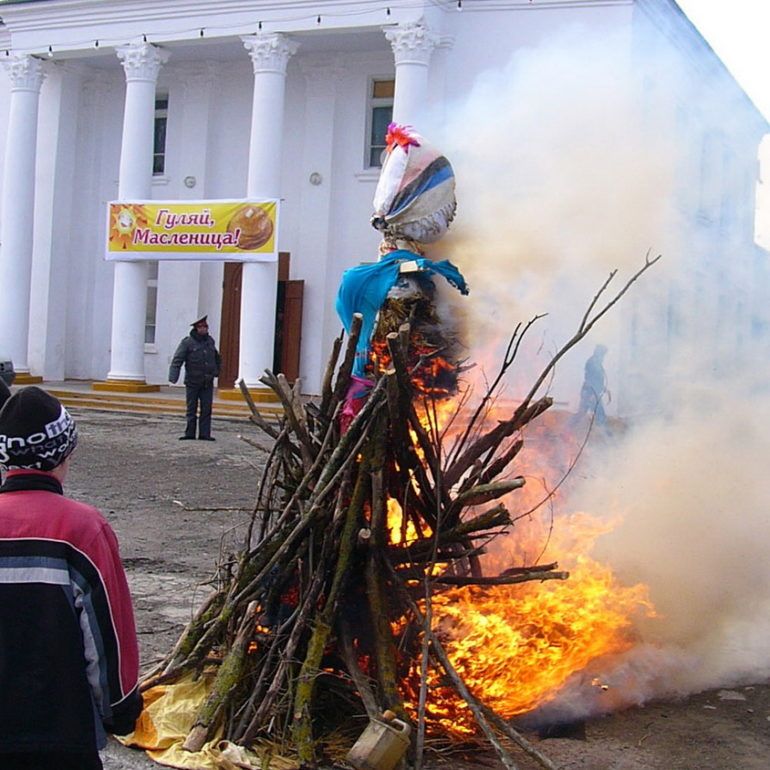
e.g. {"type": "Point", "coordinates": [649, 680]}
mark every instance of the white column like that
{"type": "Point", "coordinates": [18, 204]}
{"type": "Point", "coordinates": [412, 44]}
{"type": "Point", "coordinates": [270, 54]}
{"type": "Point", "coordinates": [141, 63]}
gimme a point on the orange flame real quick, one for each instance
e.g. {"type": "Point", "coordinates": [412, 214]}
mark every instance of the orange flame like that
{"type": "Point", "coordinates": [402, 532]}
{"type": "Point", "coordinates": [425, 365]}
{"type": "Point", "coordinates": [516, 645]}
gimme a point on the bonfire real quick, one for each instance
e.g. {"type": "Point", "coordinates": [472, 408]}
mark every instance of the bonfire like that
{"type": "Point", "coordinates": [375, 506]}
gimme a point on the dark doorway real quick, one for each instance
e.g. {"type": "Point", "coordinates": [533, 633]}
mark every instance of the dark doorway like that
{"type": "Point", "coordinates": [288, 328]}
{"type": "Point", "coordinates": [231, 324]}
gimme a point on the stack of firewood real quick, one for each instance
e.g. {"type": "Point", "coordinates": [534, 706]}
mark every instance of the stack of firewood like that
{"type": "Point", "coordinates": [322, 614]}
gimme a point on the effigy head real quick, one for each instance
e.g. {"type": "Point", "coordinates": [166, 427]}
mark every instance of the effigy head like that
{"type": "Point", "coordinates": [415, 196]}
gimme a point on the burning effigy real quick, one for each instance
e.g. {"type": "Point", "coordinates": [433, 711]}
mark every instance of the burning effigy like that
{"type": "Point", "coordinates": [359, 596]}
{"type": "Point", "coordinates": [414, 204]}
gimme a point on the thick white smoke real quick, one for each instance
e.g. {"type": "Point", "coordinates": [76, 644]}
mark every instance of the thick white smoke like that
{"type": "Point", "coordinates": [690, 493]}
{"type": "Point", "coordinates": [560, 180]}
{"type": "Point", "coordinates": [562, 177]}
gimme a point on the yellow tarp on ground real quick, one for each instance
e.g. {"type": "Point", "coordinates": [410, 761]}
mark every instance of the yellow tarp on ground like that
{"type": "Point", "coordinates": [169, 712]}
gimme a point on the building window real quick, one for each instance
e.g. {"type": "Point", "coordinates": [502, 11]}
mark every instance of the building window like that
{"type": "Point", "coordinates": [159, 144]}
{"type": "Point", "coordinates": [380, 114]}
{"type": "Point", "coordinates": [152, 303]}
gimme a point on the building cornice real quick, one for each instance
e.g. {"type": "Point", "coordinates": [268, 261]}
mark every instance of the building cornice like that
{"type": "Point", "coordinates": [181, 19]}
{"type": "Point", "coordinates": [76, 24]}
{"type": "Point", "coordinates": [481, 6]}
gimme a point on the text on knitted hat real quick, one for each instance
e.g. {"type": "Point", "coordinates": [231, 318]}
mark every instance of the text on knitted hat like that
{"type": "Point", "coordinates": [36, 431]}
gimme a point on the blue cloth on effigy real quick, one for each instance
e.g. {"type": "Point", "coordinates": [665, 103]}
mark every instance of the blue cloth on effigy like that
{"type": "Point", "coordinates": [364, 288]}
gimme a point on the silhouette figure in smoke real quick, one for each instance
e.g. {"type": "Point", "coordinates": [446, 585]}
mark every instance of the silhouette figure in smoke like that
{"type": "Point", "coordinates": [594, 388]}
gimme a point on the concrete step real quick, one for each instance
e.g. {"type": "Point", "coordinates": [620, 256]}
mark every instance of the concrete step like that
{"type": "Point", "coordinates": [152, 404]}
{"type": "Point", "coordinates": [128, 399]}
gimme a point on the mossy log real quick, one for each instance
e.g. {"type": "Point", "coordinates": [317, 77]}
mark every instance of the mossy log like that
{"type": "Point", "coordinates": [225, 684]}
{"type": "Point", "coordinates": [302, 730]}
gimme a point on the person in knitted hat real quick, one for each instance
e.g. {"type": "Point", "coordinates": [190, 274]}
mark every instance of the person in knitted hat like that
{"type": "Point", "coordinates": [201, 360]}
{"type": "Point", "coordinates": [69, 662]}
{"type": "Point", "coordinates": [36, 431]}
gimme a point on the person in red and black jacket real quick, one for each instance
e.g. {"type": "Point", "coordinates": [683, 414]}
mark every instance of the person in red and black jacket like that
{"type": "Point", "coordinates": [69, 661]}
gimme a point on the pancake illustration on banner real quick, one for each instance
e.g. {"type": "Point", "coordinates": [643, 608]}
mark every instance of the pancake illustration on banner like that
{"type": "Point", "coordinates": [254, 225]}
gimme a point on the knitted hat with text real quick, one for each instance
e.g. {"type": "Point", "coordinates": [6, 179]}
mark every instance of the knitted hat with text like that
{"type": "Point", "coordinates": [36, 431]}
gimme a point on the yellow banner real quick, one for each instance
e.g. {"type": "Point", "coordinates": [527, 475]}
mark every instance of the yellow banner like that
{"type": "Point", "coordinates": [227, 230]}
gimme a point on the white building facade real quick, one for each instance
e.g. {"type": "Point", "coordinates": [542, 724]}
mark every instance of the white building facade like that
{"type": "Point", "coordinates": [132, 99]}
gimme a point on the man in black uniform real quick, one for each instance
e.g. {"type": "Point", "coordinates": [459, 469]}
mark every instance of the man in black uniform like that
{"type": "Point", "coordinates": [201, 361]}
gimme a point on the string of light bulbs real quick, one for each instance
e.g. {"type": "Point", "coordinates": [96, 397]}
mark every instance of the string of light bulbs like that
{"type": "Point", "coordinates": [222, 30]}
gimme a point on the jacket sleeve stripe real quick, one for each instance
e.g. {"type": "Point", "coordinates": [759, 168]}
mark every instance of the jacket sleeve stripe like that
{"type": "Point", "coordinates": [33, 570]}
{"type": "Point", "coordinates": [99, 635]}
{"type": "Point", "coordinates": [44, 560]}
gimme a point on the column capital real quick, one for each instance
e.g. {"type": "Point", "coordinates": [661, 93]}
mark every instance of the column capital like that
{"type": "Point", "coordinates": [26, 72]}
{"type": "Point", "coordinates": [412, 42]}
{"type": "Point", "coordinates": [270, 51]}
{"type": "Point", "coordinates": [141, 61]}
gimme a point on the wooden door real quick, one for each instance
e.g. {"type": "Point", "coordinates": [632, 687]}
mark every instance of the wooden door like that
{"type": "Point", "coordinates": [229, 343]}
{"type": "Point", "coordinates": [288, 328]}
